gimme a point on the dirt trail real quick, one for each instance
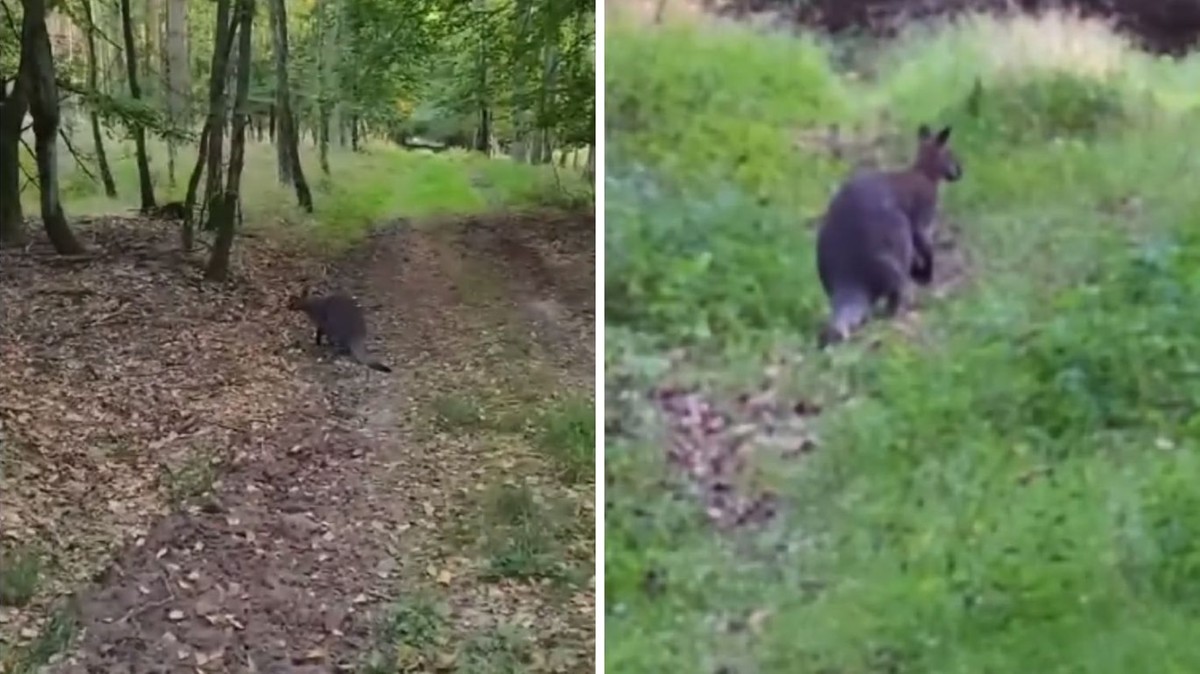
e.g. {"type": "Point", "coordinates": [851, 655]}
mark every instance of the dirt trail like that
{"type": "Point", "coordinates": [331, 527]}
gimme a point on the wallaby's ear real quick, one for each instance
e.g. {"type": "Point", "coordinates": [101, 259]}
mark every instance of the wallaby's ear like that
{"type": "Point", "coordinates": [943, 136]}
{"type": "Point", "coordinates": [923, 132]}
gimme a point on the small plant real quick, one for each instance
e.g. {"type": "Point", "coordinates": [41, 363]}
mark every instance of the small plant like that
{"type": "Point", "coordinates": [20, 571]}
{"type": "Point", "coordinates": [567, 434]}
{"type": "Point", "coordinates": [522, 539]}
{"type": "Point", "coordinates": [501, 650]}
{"type": "Point", "coordinates": [52, 640]}
{"type": "Point", "coordinates": [457, 412]}
{"type": "Point", "coordinates": [194, 478]}
{"type": "Point", "coordinates": [406, 637]}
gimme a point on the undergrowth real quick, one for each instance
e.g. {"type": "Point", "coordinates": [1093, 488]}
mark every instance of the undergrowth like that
{"type": "Point", "coordinates": [1005, 489]}
{"type": "Point", "coordinates": [382, 182]}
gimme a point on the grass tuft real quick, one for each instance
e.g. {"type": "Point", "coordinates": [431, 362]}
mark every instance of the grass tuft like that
{"type": "Point", "coordinates": [567, 434]}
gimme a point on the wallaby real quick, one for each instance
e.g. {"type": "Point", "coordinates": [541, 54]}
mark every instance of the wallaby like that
{"type": "Point", "coordinates": [877, 235]}
{"type": "Point", "coordinates": [339, 319]}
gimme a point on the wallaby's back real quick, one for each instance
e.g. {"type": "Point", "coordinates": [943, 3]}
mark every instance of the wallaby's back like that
{"type": "Point", "coordinates": [341, 320]}
{"type": "Point", "coordinates": [864, 250]}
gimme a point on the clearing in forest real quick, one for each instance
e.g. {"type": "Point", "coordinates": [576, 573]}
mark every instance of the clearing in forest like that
{"type": "Point", "coordinates": [1001, 481]}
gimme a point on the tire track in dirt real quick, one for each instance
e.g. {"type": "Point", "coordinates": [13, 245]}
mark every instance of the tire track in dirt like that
{"type": "Point", "coordinates": [321, 523]}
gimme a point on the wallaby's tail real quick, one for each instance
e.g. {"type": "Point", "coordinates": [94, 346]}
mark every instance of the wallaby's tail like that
{"type": "Point", "coordinates": [850, 309]}
{"type": "Point", "coordinates": [360, 354]}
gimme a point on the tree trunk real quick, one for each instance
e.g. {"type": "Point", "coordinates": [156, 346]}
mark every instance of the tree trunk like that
{"type": "Point", "coordinates": [589, 170]}
{"type": "Point", "coordinates": [287, 145]}
{"type": "Point", "coordinates": [36, 76]}
{"type": "Point", "coordinates": [179, 78]}
{"type": "Point", "coordinates": [323, 137]}
{"type": "Point", "coordinates": [483, 135]}
{"type": "Point", "coordinates": [225, 33]}
{"type": "Point", "coordinates": [218, 263]}
{"type": "Point", "coordinates": [517, 149]}
{"type": "Point", "coordinates": [139, 132]}
{"type": "Point", "coordinates": [153, 23]}
{"type": "Point", "coordinates": [12, 114]}
{"type": "Point", "coordinates": [188, 232]}
{"type": "Point", "coordinates": [110, 186]}
{"type": "Point", "coordinates": [354, 137]}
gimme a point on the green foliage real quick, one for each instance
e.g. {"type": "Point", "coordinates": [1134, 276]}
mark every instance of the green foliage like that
{"type": "Point", "coordinates": [1047, 107]}
{"type": "Point", "coordinates": [20, 571]}
{"type": "Point", "coordinates": [567, 434]}
{"type": "Point", "coordinates": [1008, 490]}
{"type": "Point", "coordinates": [757, 92]}
{"type": "Point", "coordinates": [691, 265]}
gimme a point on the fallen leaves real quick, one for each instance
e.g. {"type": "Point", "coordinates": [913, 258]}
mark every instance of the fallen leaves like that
{"type": "Point", "coordinates": [712, 447]}
{"type": "Point", "coordinates": [116, 370]}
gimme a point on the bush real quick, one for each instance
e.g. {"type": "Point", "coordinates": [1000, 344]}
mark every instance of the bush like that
{"type": "Point", "coordinates": [690, 266]}
{"type": "Point", "coordinates": [693, 102]}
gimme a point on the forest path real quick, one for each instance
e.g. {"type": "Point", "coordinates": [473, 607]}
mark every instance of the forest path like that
{"type": "Point", "coordinates": [438, 518]}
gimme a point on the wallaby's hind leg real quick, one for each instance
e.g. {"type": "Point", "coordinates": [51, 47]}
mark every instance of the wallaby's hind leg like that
{"type": "Point", "coordinates": [898, 292]}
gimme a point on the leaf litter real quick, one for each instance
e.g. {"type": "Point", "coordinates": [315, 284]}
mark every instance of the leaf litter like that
{"type": "Point", "coordinates": [125, 375]}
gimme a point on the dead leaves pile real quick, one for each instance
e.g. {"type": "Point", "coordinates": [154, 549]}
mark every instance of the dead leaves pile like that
{"type": "Point", "coordinates": [713, 448]}
{"type": "Point", "coordinates": [118, 368]}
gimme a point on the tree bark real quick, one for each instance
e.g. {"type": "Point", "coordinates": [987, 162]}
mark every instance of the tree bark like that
{"type": "Point", "coordinates": [178, 76]}
{"type": "Point", "coordinates": [218, 263]}
{"type": "Point", "coordinates": [287, 143]}
{"type": "Point", "coordinates": [225, 33]}
{"type": "Point", "coordinates": [139, 132]}
{"type": "Point", "coordinates": [483, 134]}
{"type": "Point", "coordinates": [12, 115]}
{"type": "Point", "coordinates": [36, 75]}
{"type": "Point", "coordinates": [188, 232]}
{"type": "Point", "coordinates": [110, 186]}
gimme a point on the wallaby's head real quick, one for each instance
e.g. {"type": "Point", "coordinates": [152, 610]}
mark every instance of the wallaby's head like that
{"type": "Point", "coordinates": [935, 160]}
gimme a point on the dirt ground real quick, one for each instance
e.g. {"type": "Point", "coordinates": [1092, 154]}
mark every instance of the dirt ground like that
{"type": "Point", "coordinates": [233, 499]}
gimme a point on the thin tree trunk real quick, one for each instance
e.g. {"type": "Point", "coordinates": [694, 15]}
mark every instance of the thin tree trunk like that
{"type": "Point", "coordinates": [225, 32]}
{"type": "Point", "coordinates": [483, 135]}
{"type": "Point", "coordinates": [178, 76]}
{"type": "Point", "coordinates": [276, 9]}
{"type": "Point", "coordinates": [218, 263]}
{"type": "Point", "coordinates": [110, 186]}
{"type": "Point", "coordinates": [287, 144]}
{"type": "Point", "coordinates": [36, 76]}
{"type": "Point", "coordinates": [188, 233]}
{"type": "Point", "coordinates": [13, 107]}
{"type": "Point", "coordinates": [589, 171]}
{"type": "Point", "coordinates": [354, 137]}
{"type": "Point", "coordinates": [323, 137]}
{"type": "Point", "coordinates": [139, 132]}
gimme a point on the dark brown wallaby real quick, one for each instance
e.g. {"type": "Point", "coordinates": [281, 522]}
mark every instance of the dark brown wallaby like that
{"type": "Point", "coordinates": [339, 319]}
{"type": "Point", "coordinates": [877, 235]}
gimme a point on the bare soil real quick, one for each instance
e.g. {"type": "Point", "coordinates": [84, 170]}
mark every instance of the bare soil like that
{"type": "Point", "coordinates": [232, 499]}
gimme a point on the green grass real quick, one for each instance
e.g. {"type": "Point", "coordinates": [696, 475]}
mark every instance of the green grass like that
{"type": "Point", "coordinates": [20, 572]}
{"type": "Point", "coordinates": [1007, 490]}
{"type": "Point", "coordinates": [384, 182]}
{"type": "Point", "coordinates": [567, 435]}
{"type": "Point", "coordinates": [458, 412]}
{"type": "Point", "coordinates": [524, 534]}
{"type": "Point", "coordinates": [56, 634]}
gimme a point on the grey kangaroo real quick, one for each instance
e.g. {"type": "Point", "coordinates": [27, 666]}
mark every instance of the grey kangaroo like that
{"type": "Point", "coordinates": [877, 235]}
{"type": "Point", "coordinates": [340, 320]}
